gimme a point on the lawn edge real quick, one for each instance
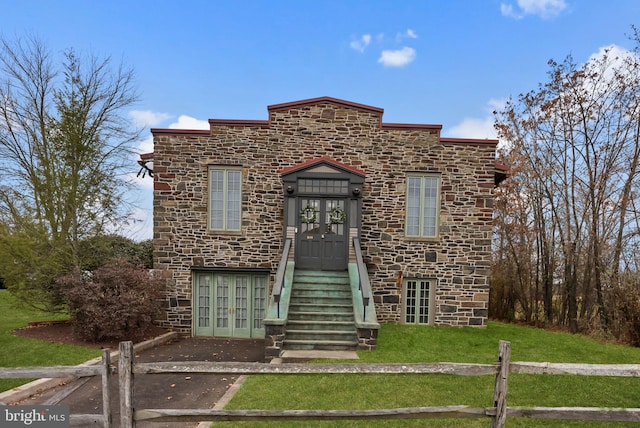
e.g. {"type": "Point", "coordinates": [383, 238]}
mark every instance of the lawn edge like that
{"type": "Point", "coordinates": [37, 386]}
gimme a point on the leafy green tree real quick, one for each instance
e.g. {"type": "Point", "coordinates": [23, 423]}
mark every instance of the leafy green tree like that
{"type": "Point", "coordinates": [65, 144]}
{"type": "Point", "coordinates": [95, 251]}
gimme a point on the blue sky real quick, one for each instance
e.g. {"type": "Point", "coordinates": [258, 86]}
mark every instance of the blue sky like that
{"type": "Point", "coordinates": [423, 61]}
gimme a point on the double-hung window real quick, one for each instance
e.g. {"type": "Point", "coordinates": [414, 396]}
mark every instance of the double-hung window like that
{"type": "Point", "coordinates": [225, 198]}
{"type": "Point", "coordinates": [423, 202]}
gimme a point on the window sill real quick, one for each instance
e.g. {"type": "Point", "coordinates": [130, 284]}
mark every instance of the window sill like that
{"type": "Point", "coordinates": [225, 232]}
{"type": "Point", "coordinates": [423, 238]}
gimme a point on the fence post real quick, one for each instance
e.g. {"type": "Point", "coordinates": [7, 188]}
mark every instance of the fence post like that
{"type": "Point", "coordinates": [500, 392]}
{"type": "Point", "coordinates": [106, 381]}
{"type": "Point", "coordinates": [125, 379]}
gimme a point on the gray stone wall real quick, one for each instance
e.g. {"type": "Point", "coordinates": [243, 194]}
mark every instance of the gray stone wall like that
{"type": "Point", "coordinates": [459, 259]}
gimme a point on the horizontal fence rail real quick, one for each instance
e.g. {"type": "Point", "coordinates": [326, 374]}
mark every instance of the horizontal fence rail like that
{"type": "Point", "coordinates": [617, 370]}
{"type": "Point", "coordinates": [49, 372]}
{"type": "Point", "coordinates": [296, 369]}
{"type": "Point", "coordinates": [174, 415]}
{"type": "Point", "coordinates": [103, 370]}
{"type": "Point", "coordinates": [498, 412]}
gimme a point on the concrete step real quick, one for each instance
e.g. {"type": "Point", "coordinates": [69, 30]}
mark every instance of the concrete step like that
{"type": "Point", "coordinates": [302, 356]}
{"type": "Point", "coordinates": [333, 295]}
{"type": "Point", "coordinates": [313, 314]}
{"type": "Point", "coordinates": [326, 325]}
{"type": "Point", "coordinates": [321, 273]}
{"type": "Point", "coordinates": [321, 286]}
{"type": "Point", "coordinates": [320, 313]}
{"type": "Point", "coordinates": [321, 345]}
{"type": "Point", "coordinates": [321, 335]}
{"type": "Point", "coordinates": [315, 279]}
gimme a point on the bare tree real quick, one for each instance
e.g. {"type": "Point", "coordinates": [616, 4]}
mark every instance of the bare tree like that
{"type": "Point", "coordinates": [575, 142]}
{"type": "Point", "coordinates": [65, 142]}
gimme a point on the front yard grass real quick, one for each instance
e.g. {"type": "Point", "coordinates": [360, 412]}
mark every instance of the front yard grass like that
{"type": "Point", "coordinates": [449, 344]}
{"type": "Point", "coordinates": [16, 351]}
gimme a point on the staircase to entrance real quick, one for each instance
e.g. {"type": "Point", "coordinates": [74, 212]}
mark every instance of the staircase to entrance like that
{"type": "Point", "coordinates": [321, 313]}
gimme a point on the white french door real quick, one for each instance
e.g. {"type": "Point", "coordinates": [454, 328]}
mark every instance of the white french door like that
{"type": "Point", "coordinates": [419, 301]}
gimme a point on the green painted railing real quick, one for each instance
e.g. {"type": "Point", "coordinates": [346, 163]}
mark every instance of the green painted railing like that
{"type": "Point", "coordinates": [364, 285]}
{"type": "Point", "coordinates": [282, 267]}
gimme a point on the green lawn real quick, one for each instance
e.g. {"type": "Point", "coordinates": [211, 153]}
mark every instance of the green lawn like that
{"type": "Point", "coordinates": [446, 344]}
{"type": "Point", "coordinates": [16, 351]}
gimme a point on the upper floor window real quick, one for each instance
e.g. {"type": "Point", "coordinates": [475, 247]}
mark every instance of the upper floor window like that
{"type": "Point", "coordinates": [423, 201]}
{"type": "Point", "coordinates": [225, 198]}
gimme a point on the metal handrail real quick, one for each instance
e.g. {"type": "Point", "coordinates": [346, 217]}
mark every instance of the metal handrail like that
{"type": "Point", "coordinates": [363, 283]}
{"type": "Point", "coordinates": [279, 283]}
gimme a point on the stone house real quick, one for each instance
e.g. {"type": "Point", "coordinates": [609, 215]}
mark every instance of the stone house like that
{"type": "Point", "coordinates": [245, 213]}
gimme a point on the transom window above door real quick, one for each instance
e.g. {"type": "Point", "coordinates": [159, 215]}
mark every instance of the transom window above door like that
{"type": "Point", "coordinates": [323, 186]}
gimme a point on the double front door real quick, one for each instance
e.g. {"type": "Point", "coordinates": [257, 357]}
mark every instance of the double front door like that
{"type": "Point", "coordinates": [322, 235]}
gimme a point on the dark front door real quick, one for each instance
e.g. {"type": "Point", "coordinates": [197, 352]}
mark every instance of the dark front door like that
{"type": "Point", "coordinates": [321, 241]}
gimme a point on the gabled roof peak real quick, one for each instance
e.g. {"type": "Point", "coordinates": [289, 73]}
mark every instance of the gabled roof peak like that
{"type": "Point", "coordinates": [292, 104]}
{"type": "Point", "coordinates": [322, 160]}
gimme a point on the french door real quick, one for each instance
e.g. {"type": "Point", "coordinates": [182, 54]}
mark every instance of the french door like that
{"type": "Point", "coordinates": [419, 300]}
{"type": "Point", "coordinates": [322, 238]}
{"type": "Point", "coordinates": [229, 304]}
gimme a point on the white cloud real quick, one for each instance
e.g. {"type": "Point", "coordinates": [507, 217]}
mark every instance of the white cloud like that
{"type": "Point", "coordinates": [479, 128]}
{"type": "Point", "coordinates": [544, 9]}
{"type": "Point", "coordinates": [409, 34]}
{"type": "Point", "coordinates": [139, 227]}
{"type": "Point", "coordinates": [614, 56]}
{"type": "Point", "coordinates": [145, 146]}
{"type": "Point", "coordinates": [188, 122]}
{"type": "Point", "coordinates": [148, 118]}
{"type": "Point", "coordinates": [471, 127]}
{"type": "Point", "coordinates": [388, 57]}
{"type": "Point", "coordinates": [496, 104]}
{"type": "Point", "coordinates": [397, 58]}
{"type": "Point", "coordinates": [361, 44]}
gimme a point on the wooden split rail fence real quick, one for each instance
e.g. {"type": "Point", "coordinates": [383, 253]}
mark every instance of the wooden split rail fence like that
{"type": "Point", "coordinates": [498, 412]}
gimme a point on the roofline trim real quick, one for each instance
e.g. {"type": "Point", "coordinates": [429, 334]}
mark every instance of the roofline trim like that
{"type": "Point", "coordinates": [411, 126]}
{"type": "Point", "coordinates": [469, 141]}
{"type": "Point", "coordinates": [290, 104]}
{"type": "Point", "coordinates": [239, 122]}
{"type": "Point", "coordinates": [172, 131]}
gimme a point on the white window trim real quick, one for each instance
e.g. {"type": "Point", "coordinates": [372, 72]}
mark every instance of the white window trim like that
{"type": "Point", "coordinates": [431, 303]}
{"type": "Point", "coordinates": [421, 226]}
{"type": "Point", "coordinates": [225, 221]}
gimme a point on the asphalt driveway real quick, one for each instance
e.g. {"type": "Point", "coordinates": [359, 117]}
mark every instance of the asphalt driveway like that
{"type": "Point", "coordinates": [178, 391]}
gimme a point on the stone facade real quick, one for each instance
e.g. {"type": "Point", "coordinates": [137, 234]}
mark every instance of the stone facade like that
{"type": "Point", "coordinates": [458, 260]}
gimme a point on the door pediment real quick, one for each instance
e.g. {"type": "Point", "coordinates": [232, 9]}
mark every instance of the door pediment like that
{"type": "Point", "coordinates": [322, 165]}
